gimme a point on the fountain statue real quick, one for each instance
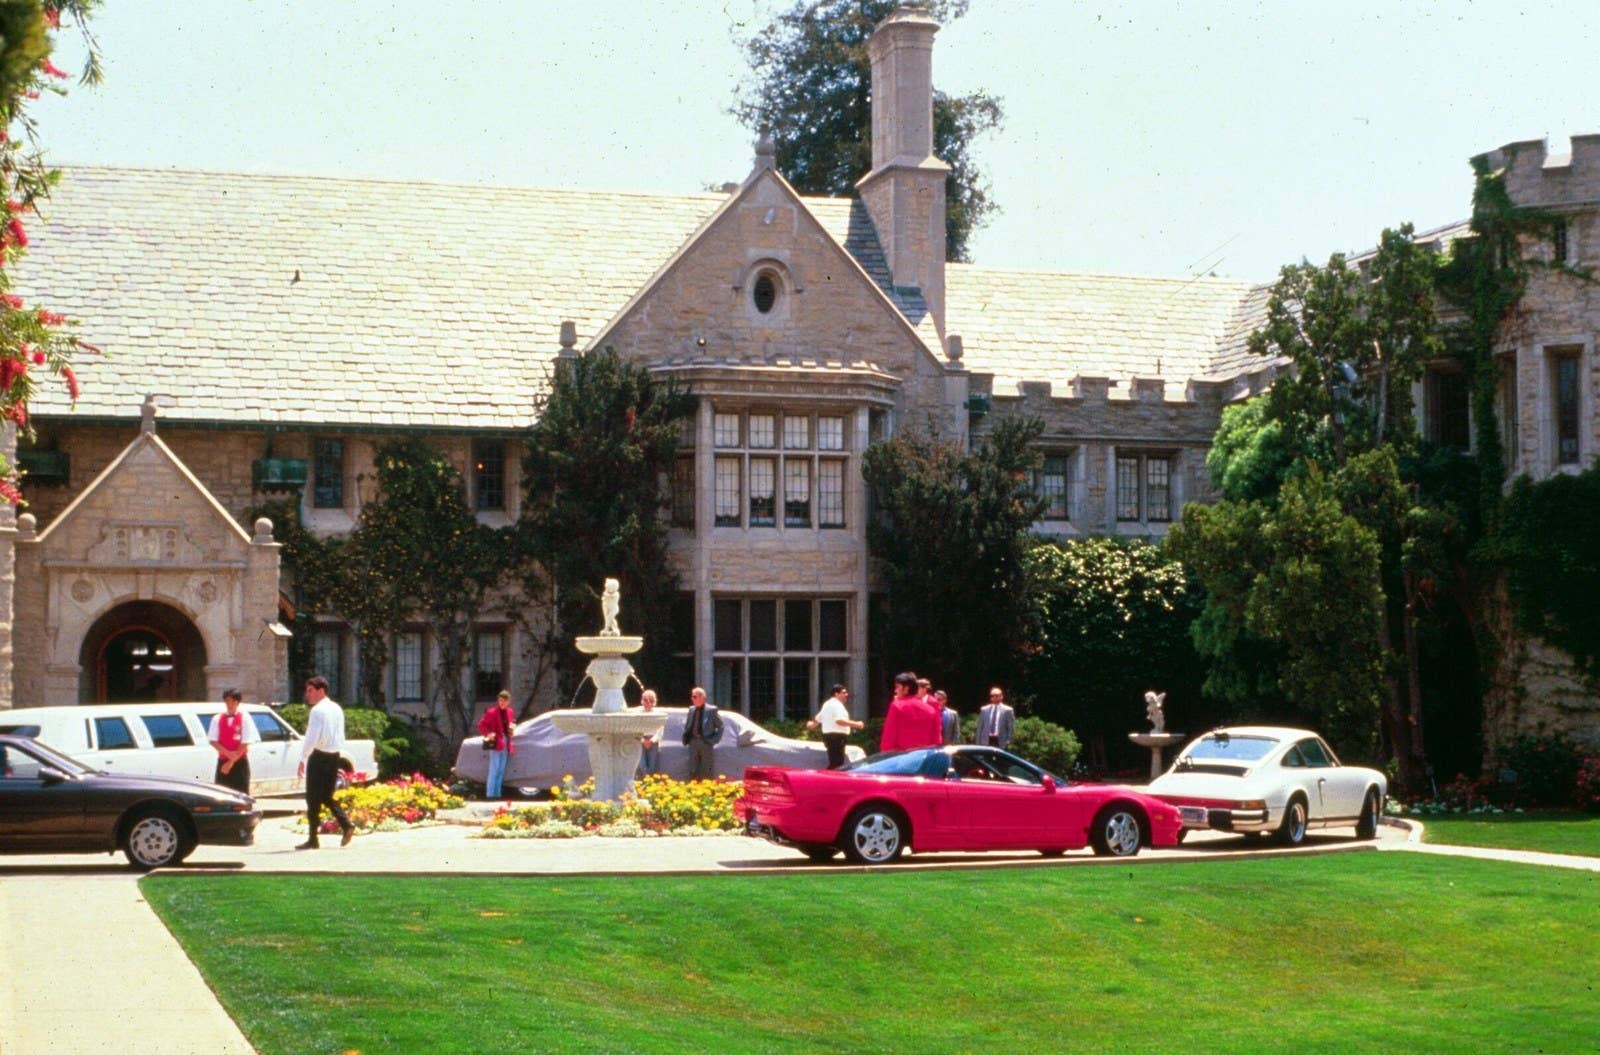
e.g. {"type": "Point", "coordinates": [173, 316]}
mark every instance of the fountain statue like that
{"type": "Point", "coordinates": [1158, 737]}
{"type": "Point", "coordinates": [613, 728]}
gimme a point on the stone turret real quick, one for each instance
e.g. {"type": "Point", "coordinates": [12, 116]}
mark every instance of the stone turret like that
{"type": "Point", "coordinates": [1534, 176]}
{"type": "Point", "coordinates": [904, 192]}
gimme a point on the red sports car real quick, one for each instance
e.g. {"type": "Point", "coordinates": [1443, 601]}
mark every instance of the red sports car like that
{"type": "Point", "coordinates": [946, 798]}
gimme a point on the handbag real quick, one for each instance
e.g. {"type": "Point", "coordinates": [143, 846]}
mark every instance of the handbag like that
{"type": "Point", "coordinates": [488, 742]}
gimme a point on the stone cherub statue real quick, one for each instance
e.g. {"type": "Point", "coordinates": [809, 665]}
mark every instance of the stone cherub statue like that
{"type": "Point", "coordinates": [1152, 711]}
{"type": "Point", "coordinates": [610, 601]}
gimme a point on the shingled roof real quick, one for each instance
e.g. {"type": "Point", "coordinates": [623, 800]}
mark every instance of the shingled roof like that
{"type": "Point", "coordinates": [259, 299]}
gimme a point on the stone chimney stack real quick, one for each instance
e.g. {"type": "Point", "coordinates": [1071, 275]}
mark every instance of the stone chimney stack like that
{"type": "Point", "coordinates": [904, 192]}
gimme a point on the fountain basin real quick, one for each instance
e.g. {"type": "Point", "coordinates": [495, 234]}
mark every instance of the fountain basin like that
{"type": "Point", "coordinates": [613, 645]}
{"type": "Point", "coordinates": [613, 743]}
{"type": "Point", "coordinates": [1156, 742]}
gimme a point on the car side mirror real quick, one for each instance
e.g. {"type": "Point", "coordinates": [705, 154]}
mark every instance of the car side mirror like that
{"type": "Point", "coordinates": [1049, 784]}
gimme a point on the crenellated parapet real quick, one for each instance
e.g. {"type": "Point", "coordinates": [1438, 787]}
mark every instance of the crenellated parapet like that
{"type": "Point", "coordinates": [1535, 176]}
{"type": "Point", "coordinates": [1092, 390]}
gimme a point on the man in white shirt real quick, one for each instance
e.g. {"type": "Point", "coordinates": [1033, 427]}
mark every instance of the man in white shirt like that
{"type": "Point", "coordinates": [836, 724]}
{"type": "Point", "coordinates": [319, 761]}
{"type": "Point", "coordinates": [231, 734]}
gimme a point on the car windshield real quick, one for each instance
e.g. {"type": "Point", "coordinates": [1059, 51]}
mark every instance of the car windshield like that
{"type": "Point", "coordinates": [1220, 747]}
{"type": "Point", "coordinates": [51, 757]}
{"type": "Point", "coordinates": [921, 762]}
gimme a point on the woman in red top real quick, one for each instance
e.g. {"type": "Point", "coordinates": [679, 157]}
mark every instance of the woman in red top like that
{"type": "Point", "coordinates": [911, 721]}
{"type": "Point", "coordinates": [498, 723]}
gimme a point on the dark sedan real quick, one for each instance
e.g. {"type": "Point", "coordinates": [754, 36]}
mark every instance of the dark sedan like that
{"type": "Point", "coordinates": [50, 803]}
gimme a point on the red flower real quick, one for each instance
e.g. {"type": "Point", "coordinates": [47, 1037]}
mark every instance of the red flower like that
{"type": "Point", "coordinates": [52, 17]}
{"type": "Point", "coordinates": [50, 318]}
{"type": "Point", "coordinates": [13, 206]}
{"type": "Point", "coordinates": [9, 492]}
{"type": "Point", "coordinates": [18, 235]}
{"type": "Point", "coordinates": [17, 412]}
{"type": "Point", "coordinates": [38, 358]}
{"type": "Point", "coordinates": [13, 302]}
{"type": "Point", "coordinates": [72, 382]}
{"type": "Point", "coordinates": [54, 71]}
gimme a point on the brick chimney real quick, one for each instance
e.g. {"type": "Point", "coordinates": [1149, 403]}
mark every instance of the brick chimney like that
{"type": "Point", "coordinates": [904, 192]}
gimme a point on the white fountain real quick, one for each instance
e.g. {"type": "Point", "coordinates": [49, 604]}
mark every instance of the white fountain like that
{"type": "Point", "coordinates": [1157, 739]}
{"type": "Point", "coordinates": [612, 726]}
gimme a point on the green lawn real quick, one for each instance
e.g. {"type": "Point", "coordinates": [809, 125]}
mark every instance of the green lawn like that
{"type": "Point", "coordinates": [1354, 952]}
{"type": "Point", "coordinates": [1556, 833]}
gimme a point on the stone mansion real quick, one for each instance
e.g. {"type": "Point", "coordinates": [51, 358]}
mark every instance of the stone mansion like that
{"type": "Point", "coordinates": [263, 334]}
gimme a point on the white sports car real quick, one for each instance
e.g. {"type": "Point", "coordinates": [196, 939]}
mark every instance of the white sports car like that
{"type": "Point", "coordinates": [1258, 779]}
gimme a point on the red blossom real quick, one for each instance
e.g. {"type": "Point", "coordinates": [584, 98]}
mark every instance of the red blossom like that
{"type": "Point", "coordinates": [55, 71]}
{"type": "Point", "coordinates": [52, 17]}
{"type": "Point", "coordinates": [50, 318]}
{"type": "Point", "coordinates": [17, 412]}
{"type": "Point", "coordinates": [18, 235]}
{"type": "Point", "coordinates": [72, 382]}
{"type": "Point", "coordinates": [31, 95]}
{"type": "Point", "coordinates": [13, 302]}
{"type": "Point", "coordinates": [9, 492]}
{"type": "Point", "coordinates": [38, 358]}
{"type": "Point", "coordinates": [13, 206]}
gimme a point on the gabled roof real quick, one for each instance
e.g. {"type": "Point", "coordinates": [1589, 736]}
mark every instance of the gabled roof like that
{"type": "Point", "coordinates": [146, 441]}
{"type": "Point", "coordinates": [298, 300]}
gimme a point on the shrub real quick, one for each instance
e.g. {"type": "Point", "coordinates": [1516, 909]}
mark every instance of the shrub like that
{"type": "Point", "coordinates": [1045, 744]}
{"type": "Point", "coordinates": [1461, 795]}
{"type": "Point", "coordinates": [1586, 788]}
{"type": "Point", "coordinates": [1546, 768]}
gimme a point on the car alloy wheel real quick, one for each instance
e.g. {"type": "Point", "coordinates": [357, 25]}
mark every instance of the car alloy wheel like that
{"type": "Point", "coordinates": [874, 836]}
{"type": "Point", "coordinates": [154, 841]}
{"type": "Point", "coordinates": [1117, 832]}
{"type": "Point", "coordinates": [1293, 829]}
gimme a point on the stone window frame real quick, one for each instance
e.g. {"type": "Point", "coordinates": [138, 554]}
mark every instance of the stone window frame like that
{"type": "Point", "coordinates": [497, 637]}
{"type": "Point", "coordinates": [1577, 353]}
{"type": "Point", "coordinates": [328, 486]}
{"type": "Point", "coordinates": [1144, 459]}
{"type": "Point", "coordinates": [783, 284]}
{"type": "Point", "coordinates": [760, 673]}
{"type": "Point", "coordinates": [1068, 456]}
{"type": "Point", "coordinates": [399, 666]}
{"type": "Point", "coordinates": [1444, 380]}
{"type": "Point", "coordinates": [490, 457]}
{"type": "Point", "coordinates": [754, 446]}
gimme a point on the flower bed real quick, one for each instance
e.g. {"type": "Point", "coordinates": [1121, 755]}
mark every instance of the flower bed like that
{"type": "Point", "coordinates": [394, 804]}
{"type": "Point", "coordinates": [658, 805]}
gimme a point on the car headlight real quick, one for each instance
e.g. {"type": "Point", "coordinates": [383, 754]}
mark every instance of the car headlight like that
{"type": "Point", "coordinates": [1253, 804]}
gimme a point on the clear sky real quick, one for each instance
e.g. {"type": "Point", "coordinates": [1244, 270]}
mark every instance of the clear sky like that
{"type": "Point", "coordinates": [1156, 138]}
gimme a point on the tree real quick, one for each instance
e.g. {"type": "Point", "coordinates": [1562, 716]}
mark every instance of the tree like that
{"type": "Point", "coordinates": [1113, 622]}
{"type": "Point", "coordinates": [952, 538]}
{"type": "Point", "coordinates": [811, 90]}
{"type": "Point", "coordinates": [607, 436]}
{"type": "Point", "coordinates": [420, 554]}
{"type": "Point", "coordinates": [32, 338]}
{"type": "Point", "coordinates": [1299, 573]}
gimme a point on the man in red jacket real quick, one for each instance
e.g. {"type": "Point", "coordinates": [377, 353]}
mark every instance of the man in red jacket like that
{"type": "Point", "coordinates": [911, 721]}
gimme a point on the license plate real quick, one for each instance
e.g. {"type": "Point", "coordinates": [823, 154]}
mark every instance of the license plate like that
{"type": "Point", "coordinates": [1193, 816]}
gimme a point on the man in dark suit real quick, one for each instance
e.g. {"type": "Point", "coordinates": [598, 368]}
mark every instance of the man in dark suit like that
{"type": "Point", "coordinates": [996, 720]}
{"type": "Point", "coordinates": [701, 731]}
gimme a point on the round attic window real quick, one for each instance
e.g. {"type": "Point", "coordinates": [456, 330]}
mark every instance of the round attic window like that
{"type": "Point", "coordinates": [764, 292]}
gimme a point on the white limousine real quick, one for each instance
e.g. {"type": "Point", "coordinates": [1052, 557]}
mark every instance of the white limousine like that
{"type": "Point", "coordinates": [169, 740]}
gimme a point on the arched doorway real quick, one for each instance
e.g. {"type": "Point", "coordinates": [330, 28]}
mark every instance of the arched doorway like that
{"type": "Point", "coordinates": [142, 650]}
